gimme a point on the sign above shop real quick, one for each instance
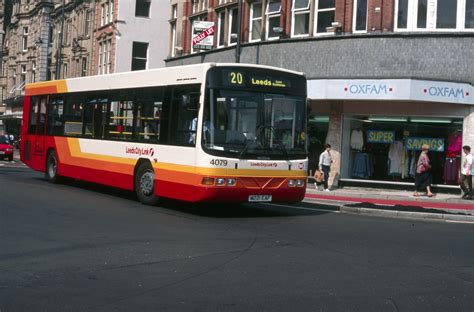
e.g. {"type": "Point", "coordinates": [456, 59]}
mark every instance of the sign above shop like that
{"type": "Point", "coordinates": [391, 89]}
{"type": "Point", "coordinates": [415, 144]}
{"type": "Point", "coordinates": [380, 136]}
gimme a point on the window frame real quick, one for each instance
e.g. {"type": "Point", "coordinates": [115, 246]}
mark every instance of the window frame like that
{"type": "Point", "coordinates": [300, 11]}
{"type": "Point", "coordinates": [252, 19]}
{"type": "Point", "coordinates": [316, 18]}
{"type": "Point", "coordinates": [354, 17]}
{"type": "Point", "coordinates": [269, 15]}
{"type": "Point", "coordinates": [431, 17]}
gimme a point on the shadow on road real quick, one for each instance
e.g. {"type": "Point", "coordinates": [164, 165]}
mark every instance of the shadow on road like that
{"type": "Point", "coordinates": [209, 210]}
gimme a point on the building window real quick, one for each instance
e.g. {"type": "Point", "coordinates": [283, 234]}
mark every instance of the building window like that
{"type": "Point", "coordinates": [22, 77]}
{"type": "Point", "coordinates": [139, 55]}
{"type": "Point", "coordinates": [221, 28]}
{"type": "Point", "coordinates": [325, 14]}
{"type": "Point", "coordinates": [227, 24]}
{"type": "Point", "coordinates": [142, 8]}
{"type": "Point", "coordinates": [24, 39]}
{"type": "Point", "coordinates": [87, 23]}
{"type": "Point", "coordinates": [196, 19]}
{"type": "Point", "coordinates": [199, 5]}
{"type": "Point", "coordinates": [84, 67]}
{"type": "Point", "coordinates": [256, 21]}
{"type": "Point", "coordinates": [65, 71]}
{"type": "Point", "coordinates": [174, 16]}
{"type": "Point", "coordinates": [469, 16]}
{"type": "Point", "coordinates": [272, 15]}
{"type": "Point", "coordinates": [454, 15]}
{"type": "Point", "coordinates": [360, 16]}
{"type": "Point", "coordinates": [105, 60]}
{"type": "Point", "coordinates": [300, 20]}
{"type": "Point", "coordinates": [33, 71]}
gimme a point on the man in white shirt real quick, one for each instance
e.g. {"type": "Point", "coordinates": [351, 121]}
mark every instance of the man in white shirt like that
{"type": "Point", "coordinates": [325, 161]}
{"type": "Point", "coordinates": [466, 173]}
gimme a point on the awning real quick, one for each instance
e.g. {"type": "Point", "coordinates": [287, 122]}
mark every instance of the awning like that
{"type": "Point", "coordinates": [391, 89]}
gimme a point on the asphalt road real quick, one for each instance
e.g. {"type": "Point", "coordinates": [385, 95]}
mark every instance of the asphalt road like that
{"type": "Point", "coordinates": [81, 247]}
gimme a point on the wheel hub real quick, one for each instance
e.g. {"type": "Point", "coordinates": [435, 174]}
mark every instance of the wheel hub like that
{"type": "Point", "coordinates": [147, 183]}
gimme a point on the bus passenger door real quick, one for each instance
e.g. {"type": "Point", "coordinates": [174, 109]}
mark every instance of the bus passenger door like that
{"type": "Point", "coordinates": [40, 127]}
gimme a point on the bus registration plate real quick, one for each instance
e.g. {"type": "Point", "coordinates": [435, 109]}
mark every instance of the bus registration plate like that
{"type": "Point", "coordinates": [260, 198]}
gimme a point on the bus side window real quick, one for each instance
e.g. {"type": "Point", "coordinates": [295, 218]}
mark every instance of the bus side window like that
{"type": "Point", "coordinates": [33, 115]}
{"type": "Point", "coordinates": [72, 117]}
{"type": "Point", "coordinates": [149, 106]}
{"type": "Point", "coordinates": [55, 115]}
{"type": "Point", "coordinates": [42, 116]}
{"type": "Point", "coordinates": [183, 117]}
{"type": "Point", "coordinates": [120, 125]}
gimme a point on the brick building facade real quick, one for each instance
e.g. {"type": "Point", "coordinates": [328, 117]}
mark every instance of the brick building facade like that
{"type": "Point", "coordinates": [401, 67]}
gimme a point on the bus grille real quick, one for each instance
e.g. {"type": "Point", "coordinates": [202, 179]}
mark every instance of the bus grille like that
{"type": "Point", "coordinates": [262, 183]}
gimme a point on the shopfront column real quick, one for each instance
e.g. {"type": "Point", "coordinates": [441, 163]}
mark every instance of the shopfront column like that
{"type": "Point", "coordinates": [334, 138]}
{"type": "Point", "coordinates": [468, 129]}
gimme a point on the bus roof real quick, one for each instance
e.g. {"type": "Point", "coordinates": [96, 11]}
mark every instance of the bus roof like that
{"type": "Point", "coordinates": [135, 79]}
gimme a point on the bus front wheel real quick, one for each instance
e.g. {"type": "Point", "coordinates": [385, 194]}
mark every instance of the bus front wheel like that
{"type": "Point", "coordinates": [51, 173]}
{"type": "Point", "coordinates": [145, 184]}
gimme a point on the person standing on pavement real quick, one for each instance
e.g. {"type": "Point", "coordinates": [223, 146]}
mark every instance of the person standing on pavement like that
{"type": "Point", "coordinates": [423, 174]}
{"type": "Point", "coordinates": [325, 160]}
{"type": "Point", "coordinates": [466, 173]}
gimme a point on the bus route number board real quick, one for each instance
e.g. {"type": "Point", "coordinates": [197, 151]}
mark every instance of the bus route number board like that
{"type": "Point", "coordinates": [260, 198]}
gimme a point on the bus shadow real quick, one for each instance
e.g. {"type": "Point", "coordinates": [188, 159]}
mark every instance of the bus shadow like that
{"type": "Point", "coordinates": [208, 210]}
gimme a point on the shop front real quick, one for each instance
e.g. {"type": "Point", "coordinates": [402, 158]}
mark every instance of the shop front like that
{"type": "Point", "coordinates": [377, 129]}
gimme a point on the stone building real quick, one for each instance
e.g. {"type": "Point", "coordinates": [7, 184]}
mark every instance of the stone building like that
{"type": "Point", "coordinates": [383, 76]}
{"type": "Point", "coordinates": [58, 39]}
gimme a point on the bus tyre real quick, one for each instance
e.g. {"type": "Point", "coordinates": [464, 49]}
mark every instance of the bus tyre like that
{"type": "Point", "coordinates": [51, 173]}
{"type": "Point", "coordinates": [145, 184]}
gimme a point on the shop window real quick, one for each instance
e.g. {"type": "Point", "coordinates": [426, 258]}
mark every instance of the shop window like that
{"type": "Point", "coordinates": [325, 15]}
{"type": "Point", "coordinates": [360, 16]}
{"type": "Point", "coordinates": [139, 55]}
{"type": "Point", "coordinates": [256, 18]}
{"type": "Point", "coordinates": [272, 16]}
{"type": "Point", "coordinates": [386, 148]}
{"type": "Point", "coordinates": [142, 8]}
{"type": "Point", "coordinates": [300, 20]}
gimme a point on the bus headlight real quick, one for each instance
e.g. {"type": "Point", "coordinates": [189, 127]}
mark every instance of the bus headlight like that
{"type": "Point", "coordinates": [291, 183]}
{"type": "Point", "coordinates": [220, 181]}
{"type": "Point", "coordinates": [231, 182]}
{"type": "Point", "coordinates": [300, 183]}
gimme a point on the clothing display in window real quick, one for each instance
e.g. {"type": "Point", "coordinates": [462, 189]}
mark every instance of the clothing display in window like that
{"type": "Point", "coordinates": [395, 156]}
{"type": "Point", "coordinates": [454, 144]}
{"type": "Point", "coordinates": [363, 166]}
{"type": "Point", "coordinates": [451, 170]}
{"type": "Point", "coordinates": [357, 139]}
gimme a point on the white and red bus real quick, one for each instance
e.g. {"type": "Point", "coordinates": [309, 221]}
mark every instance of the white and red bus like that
{"type": "Point", "coordinates": [206, 132]}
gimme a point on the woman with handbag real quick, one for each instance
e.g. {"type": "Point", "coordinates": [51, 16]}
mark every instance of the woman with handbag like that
{"type": "Point", "coordinates": [423, 174]}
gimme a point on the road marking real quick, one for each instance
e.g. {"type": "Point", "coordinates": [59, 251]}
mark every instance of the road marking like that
{"type": "Point", "coordinates": [303, 208]}
{"type": "Point", "coordinates": [465, 222]}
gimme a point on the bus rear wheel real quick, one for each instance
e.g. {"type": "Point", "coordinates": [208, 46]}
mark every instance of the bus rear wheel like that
{"type": "Point", "coordinates": [51, 173]}
{"type": "Point", "coordinates": [145, 184]}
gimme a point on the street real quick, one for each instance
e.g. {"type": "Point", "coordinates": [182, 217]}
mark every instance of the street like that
{"type": "Point", "coordinates": [83, 247]}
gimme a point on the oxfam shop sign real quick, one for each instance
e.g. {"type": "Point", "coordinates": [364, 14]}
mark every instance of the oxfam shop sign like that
{"type": "Point", "coordinates": [415, 144]}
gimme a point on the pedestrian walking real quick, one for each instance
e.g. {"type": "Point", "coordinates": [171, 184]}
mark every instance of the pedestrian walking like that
{"type": "Point", "coordinates": [423, 172]}
{"type": "Point", "coordinates": [325, 160]}
{"type": "Point", "coordinates": [466, 173]}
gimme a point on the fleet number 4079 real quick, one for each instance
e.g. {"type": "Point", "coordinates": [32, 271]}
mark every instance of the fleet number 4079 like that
{"type": "Point", "coordinates": [219, 162]}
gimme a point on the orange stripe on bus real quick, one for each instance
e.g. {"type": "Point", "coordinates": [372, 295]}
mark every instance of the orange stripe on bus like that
{"type": "Point", "coordinates": [47, 87]}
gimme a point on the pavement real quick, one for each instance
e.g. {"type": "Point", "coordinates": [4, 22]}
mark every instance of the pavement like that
{"type": "Point", "coordinates": [394, 203]}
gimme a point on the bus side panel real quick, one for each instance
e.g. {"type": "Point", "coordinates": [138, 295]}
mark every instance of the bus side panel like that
{"type": "Point", "coordinates": [25, 143]}
{"type": "Point", "coordinates": [90, 169]}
